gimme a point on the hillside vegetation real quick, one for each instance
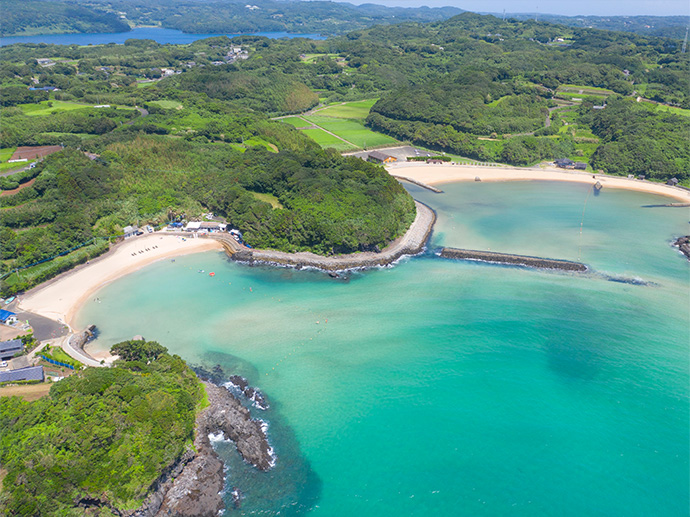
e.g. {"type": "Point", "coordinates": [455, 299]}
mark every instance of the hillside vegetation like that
{"type": "Point", "coordinates": [102, 436]}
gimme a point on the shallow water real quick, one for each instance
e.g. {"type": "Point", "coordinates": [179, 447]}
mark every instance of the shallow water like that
{"type": "Point", "coordinates": [440, 387]}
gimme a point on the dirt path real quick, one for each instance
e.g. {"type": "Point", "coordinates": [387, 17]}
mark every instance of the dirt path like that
{"type": "Point", "coordinates": [20, 187]}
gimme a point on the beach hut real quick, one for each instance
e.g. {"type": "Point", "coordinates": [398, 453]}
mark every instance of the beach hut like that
{"type": "Point", "coordinates": [378, 157]}
{"type": "Point", "coordinates": [130, 231]}
{"type": "Point", "coordinates": [673, 182]}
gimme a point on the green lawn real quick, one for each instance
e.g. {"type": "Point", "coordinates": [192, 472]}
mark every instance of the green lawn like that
{"type": "Point", "coordinates": [325, 140]}
{"type": "Point", "coordinates": [352, 131]}
{"type": "Point", "coordinates": [670, 109]}
{"type": "Point", "coordinates": [144, 85]}
{"type": "Point", "coordinates": [81, 135]}
{"type": "Point", "coordinates": [47, 107]}
{"type": "Point", "coordinates": [353, 110]}
{"type": "Point", "coordinates": [256, 142]}
{"type": "Point", "coordinates": [167, 104]}
{"type": "Point", "coordinates": [9, 166]}
{"type": "Point", "coordinates": [295, 121]}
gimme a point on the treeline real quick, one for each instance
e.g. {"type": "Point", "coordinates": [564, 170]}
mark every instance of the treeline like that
{"type": "Point", "coordinates": [102, 436]}
{"type": "Point", "coordinates": [30, 17]}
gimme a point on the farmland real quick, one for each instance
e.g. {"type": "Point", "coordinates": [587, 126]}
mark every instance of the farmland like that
{"type": "Point", "coordinates": [353, 131]}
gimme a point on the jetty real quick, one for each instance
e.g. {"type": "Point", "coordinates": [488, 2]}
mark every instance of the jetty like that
{"type": "Point", "coordinates": [418, 183]}
{"type": "Point", "coordinates": [411, 243]}
{"type": "Point", "coordinates": [511, 259]}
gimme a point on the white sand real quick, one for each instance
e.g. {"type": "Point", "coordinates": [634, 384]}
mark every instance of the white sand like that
{"type": "Point", "coordinates": [437, 174]}
{"type": "Point", "coordinates": [60, 298]}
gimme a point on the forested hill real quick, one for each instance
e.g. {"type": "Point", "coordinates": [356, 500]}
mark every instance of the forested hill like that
{"type": "Point", "coordinates": [99, 441]}
{"type": "Point", "coordinates": [28, 17]}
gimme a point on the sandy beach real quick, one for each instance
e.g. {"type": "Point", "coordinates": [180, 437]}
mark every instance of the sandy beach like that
{"type": "Point", "coordinates": [438, 174]}
{"type": "Point", "coordinates": [60, 298]}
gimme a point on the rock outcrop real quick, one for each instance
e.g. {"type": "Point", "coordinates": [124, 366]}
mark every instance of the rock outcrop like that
{"type": "Point", "coordinates": [683, 243]}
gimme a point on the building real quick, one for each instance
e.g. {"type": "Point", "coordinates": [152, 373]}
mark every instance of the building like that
{"type": "Point", "coordinates": [205, 226]}
{"type": "Point", "coordinates": [32, 373]}
{"type": "Point", "coordinates": [7, 317]}
{"type": "Point", "coordinates": [435, 161]}
{"type": "Point", "coordinates": [130, 231]}
{"type": "Point", "coordinates": [580, 166]}
{"type": "Point", "coordinates": [564, 163]}
{"type": "Point", "coordinates": [9, 348]}
{"type": "Point", "coordinates": [377, 157]}
{"type": "Point", "coordinates": [673, 182]}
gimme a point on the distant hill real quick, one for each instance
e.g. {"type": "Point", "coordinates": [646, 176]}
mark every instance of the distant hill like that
{"type": "Point", "coordinates": [665, 26]}
{"type": "Point", "coordinates": [30, 17]}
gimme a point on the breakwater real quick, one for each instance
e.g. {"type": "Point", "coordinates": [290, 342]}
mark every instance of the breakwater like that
{"type": "Point", "coordinates": [418, 183]}
{"type": "Point", "coordinates": [508, 258]}
{"type": "Point", "coordinates": [409, 244]}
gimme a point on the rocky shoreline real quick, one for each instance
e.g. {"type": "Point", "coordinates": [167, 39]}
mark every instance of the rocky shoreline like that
{"type": "Point", "coordinates": [193, 486]}
{"type": "Point", "coordinates": [683, 244]}
{"type": "Point", "coordinates": [409, 244]}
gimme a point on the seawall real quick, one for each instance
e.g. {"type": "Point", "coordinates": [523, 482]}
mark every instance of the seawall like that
{"type": "Point", "coordinates": [409, 244]}
{"type": "Point", "coordinates": [508, 258]}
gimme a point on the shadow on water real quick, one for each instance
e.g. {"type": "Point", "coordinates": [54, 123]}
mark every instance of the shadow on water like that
{"type": "Point", "coordinates": [291, 487]}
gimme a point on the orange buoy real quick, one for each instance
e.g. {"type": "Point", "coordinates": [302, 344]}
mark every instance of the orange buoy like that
{"type": "Point", "coordinates": [211, 274]}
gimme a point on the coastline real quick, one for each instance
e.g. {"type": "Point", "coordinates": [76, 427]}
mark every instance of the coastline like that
{"type": "Point", "coordinates": [61, 297]}
{"type": "Point", "coordinates": [438, 174]}
{"type": "Point", "coordinates": [411, 243]}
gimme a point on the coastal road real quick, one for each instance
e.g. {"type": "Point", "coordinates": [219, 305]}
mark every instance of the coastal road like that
{"type": "Point", "coordinates": [78, 354]}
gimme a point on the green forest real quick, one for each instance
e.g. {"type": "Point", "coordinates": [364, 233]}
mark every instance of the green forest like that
{"type": "Point", "coordinates": [101, 438]}
{"type": "Point", "coordinates": [181, 130]}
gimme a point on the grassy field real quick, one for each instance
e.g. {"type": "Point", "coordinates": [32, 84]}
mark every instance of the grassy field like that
{"type": "Point", "coordinates": [9, 166]}
{"type": "Point", "coordinates": [295, 121]}
{"type": "Point", "coordinates": [352, 110]}
{"type": "Point", "coordinates": [47, 107]}
{"type": "Point", "coordinates": [353, 131]}
{"type": "Point", "coordinates": [256, 141]}
{"type": "Point", "coordinates": [583, 90]}
{"type": "Point", "coordinates": [6, 154]}
{"type": "Point", "coordinates": [167, 104]}
{"type": "Point", "coordinates": [670, 109]}
{"type": "Point", "coordinates": [268, 198]}
{"type": "Point", "coordinates": [325, 140]}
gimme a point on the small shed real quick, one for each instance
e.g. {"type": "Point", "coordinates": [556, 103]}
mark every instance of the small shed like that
{"type": "Point", "coordinates": [673, 182]}
{"type": "Point", "coordinates": [9, 348]}
{"type": "Point", "coordinates": [7, 317]}
{"type": "Point", "coordinates": [193, 226]}
{"type": "Point", "coordinates": [378, 157]}
{"type": "Point", "coordinates": [130, 231]}
{"type": "Point", "coordinates": [435, 161]}
{"type": "Point", "coordinates": [581, 166]}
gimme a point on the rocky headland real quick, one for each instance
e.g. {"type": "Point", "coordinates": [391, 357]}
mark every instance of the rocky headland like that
{"type": "Point", "coordinates": [194, 485]}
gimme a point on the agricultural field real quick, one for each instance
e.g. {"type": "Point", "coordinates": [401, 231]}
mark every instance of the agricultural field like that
{"type": "Point", "coordinates": [583, 90]}
{"type": "Point", "coordinates": [325, 140]}
{"type": "Point", "coordinates": [353, 131]}
{"type": "Point", "coordinates": [670, 109]}
{"type": "Point", "coordinates": [6, 154]}
{"type": "Point", "coordinates": [351, 110]}
{"type": "Point", "coordinates": [295, 121]}
{"type": "Point", "coordinates": [257, 142]}
{"type": "Point", "coordinates": [47, 107]}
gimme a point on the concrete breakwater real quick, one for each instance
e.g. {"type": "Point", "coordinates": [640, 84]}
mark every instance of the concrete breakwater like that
{"type": "Point", "coordinates": [409, 244]}
{"type": "Point", "coordinates": [517, 260]}
{"type": "Point", "coordinates": [418, 183]}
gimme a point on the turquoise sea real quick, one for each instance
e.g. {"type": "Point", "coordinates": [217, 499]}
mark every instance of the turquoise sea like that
{"type": "Point", "coordinates": [440, 387]}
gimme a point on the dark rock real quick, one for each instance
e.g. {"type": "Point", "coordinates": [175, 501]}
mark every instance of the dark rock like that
{"type": "Point", "coordinates": [683, 243]}
{"type": "Point", "coordinates": [254, 395]}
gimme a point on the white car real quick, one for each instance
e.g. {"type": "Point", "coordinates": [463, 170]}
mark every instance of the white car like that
{"type": "Point", "coordinates": [3, 364]}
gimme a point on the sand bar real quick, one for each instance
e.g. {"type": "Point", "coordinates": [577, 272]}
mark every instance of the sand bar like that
{"type": "Point", "coordinates": [446, 173]}
{"type": "Point", "coordinates": [61, 297]}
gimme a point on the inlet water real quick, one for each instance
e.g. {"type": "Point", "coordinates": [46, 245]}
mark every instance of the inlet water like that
{"type": "Point", "coordinates": [440, 387]}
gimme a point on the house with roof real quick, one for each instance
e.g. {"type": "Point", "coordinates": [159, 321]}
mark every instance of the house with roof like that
{"type": "Point", "coordinates": [130, 231]}
{"type": "Point", "coordinates": [580, 166]}
{"type": "Point", "coordinates": [673, 182]}
{"type": "Point", "coordinates": [378, 157]}
{"type": "Point", "coordinates": [31, 373]}
{"type": "Point", "coordinates": [7, 317]}
{"type": "Point", "coordinates": [8, 349]}
{"type": "Point", "coordinates": [564, 163]}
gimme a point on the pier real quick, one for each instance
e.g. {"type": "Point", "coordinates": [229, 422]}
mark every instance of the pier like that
{"type": "Point", "coordinates": [515, 260]}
